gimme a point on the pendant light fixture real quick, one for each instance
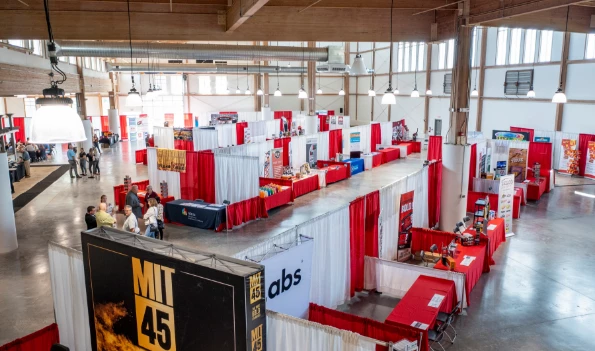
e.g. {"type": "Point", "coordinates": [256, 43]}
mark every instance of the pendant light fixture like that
{"type": "Point", "coordinates": [55, 121]}
{"type": "Point", "coordinates": [133, 99]}
{"type": "Point", "coordinates": [358, 68]}
{"type": "Point", "coordinates": [559, 96]}
{"type": "Point", "coordinates": [415, 93]}
{"type": "Point", "coordinates": [302, 94]}
{"type": "Point", "coordinates": [259, 92]}
{"type": "Point", "coordinates": [150, 94]}
{"type": "Point", "coordinates": [238, 91]}
{"type": "Point", "coordinates": [342, 92]}
{"type": "Point", "coordinates": [371, 91]}
{"type": "Point", "coordinates": [475, 92]}
{"type": "Point", "coordinates": [248, 92]}
{"type": "Point", "coordinates": [278, 91]}
{"type": "Point", "coordinates": [389, 97]}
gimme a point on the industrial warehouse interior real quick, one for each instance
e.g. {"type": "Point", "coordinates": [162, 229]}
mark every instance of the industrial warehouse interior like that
{"type": "Point", "coordinates": [297, 175]}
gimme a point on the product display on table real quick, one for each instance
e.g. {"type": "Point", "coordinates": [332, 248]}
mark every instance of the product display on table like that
{"type": "Point", "coordinates": [164, 189]}
{"type": "Point", "coordinates": [127, 183]}
{"type": "Point", "coordinates": [271, 189]}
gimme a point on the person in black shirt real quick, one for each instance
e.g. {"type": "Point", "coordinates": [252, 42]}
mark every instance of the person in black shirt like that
{"type": "Point", "coordinates": [91, 159]}
{"type": "Point", "coordinates": [90, 218]}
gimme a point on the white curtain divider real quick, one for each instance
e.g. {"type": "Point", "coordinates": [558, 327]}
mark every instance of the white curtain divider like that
{"type": "Point", "coordinates": [390, 201]}
{"type": "Point", "coordinates": [205, 139]}
{"type": "Point", "coordinates": [293, 334]}
{"type": "Point", "coordinates": [268, 245]}
{"type": "Point", "coordinates": [500, 149]}
{"type": "Point", "coordinates": [418, 183]}
{"type": "Point", "coordinates": [298, 151]}
{"type": "Point", "coordinates": [156, 176]}
{"type": "Point", "coordinates": [258, 128]}
{"type": "Point", "coordinates": [164, 137]}
{"type": "Point", "coordinates": [273, 127]}
{"type": "Point", "coordinates": [364, 145]}
{"type": "Point", "coordinates": [386, 131]}
{"type": "Point", "coordinates": [330, 260]}
{"type": "Point", "coordinates": [70, 298]}
{"type": "Point", "coordinates": [236, 178]}
{"type": "Point", "coordinates": [323, 145]}
{"type": "Point", "coordinates": [227, 134]}
{"type": "Point", "coordinates": [395, 278]}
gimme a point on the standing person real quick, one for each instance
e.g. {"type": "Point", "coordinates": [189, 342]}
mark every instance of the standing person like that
{"type": "Point", "coordinates": [150, 218]}
{"type": "Point", "coordinates": [90, 218]}
{"type": "Point", "coordinates": [110, 207]}
{"type": "Point", "coordinates": [91, 160]}
{"type": "Point", "coordinates": [27, 163]}
{"type": "Point", "coordinates": [150, 194]}
{"type": "Point", "coordinates": [133, 201]}
{"type": "Point", "coordinates": [104, 219]}
{"type": "Point", "coordinates": [160, 225]}
{"type": "Point", "coordinates": [96, 164]}
{"type": "Point", "coordinates": [72, 161]}
{"type": "Point", "coordinates": [131, 223]}
{"type": "Point", "coordinates": [96, 143]}
{"type": "Point", "coordinates": [83, 162]}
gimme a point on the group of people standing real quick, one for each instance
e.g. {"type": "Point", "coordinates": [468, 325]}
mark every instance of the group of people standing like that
{"type": "Point", "coordinates": [153, 217]}
{"type": "Point", "coordinates": [83, 159]}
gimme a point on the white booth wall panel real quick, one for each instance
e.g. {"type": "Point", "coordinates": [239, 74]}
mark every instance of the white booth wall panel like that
{"type": "Point", "coordinates": [502, 114]}
{"type": "Point", "coordinates": [578, 118]}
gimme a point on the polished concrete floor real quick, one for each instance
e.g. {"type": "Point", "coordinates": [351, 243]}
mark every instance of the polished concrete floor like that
{"type": "Point", "coordinates": [539, 296]}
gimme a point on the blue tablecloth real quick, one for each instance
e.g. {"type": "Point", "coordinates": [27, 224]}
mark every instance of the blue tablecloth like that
{"type": "Point", "coordinates": [357, 165]}
{"type": "Point", "coordinates": [195, 214]}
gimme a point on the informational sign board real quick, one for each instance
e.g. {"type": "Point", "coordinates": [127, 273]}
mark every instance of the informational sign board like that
{"type": "Point", "coordinates": [505, 200]}
{"type": "Point", "coordinates": [542, 139]}
{"type": "Point", "coordinates": [141, 299]}
{"type": "Point", "coordinates": [340, 120]}
{"type": "Point", "coordinates": [312, 151]}
{"type": "Point", "coordinates": [277, 156]}
{"type": "Point", "coordinates": [223, 118]}
{"type": "Point", "coordinates": [132, 129]}
{"type": "Point", "coordinates": [142, 130]}
{"type": "Point", "coordinates": [567, 156]}
{"type": "Point", "coordinates": [267, 164]}
{"type": "Point", "coordinates": [517, 164]}
{"type": "Point", "coordinates": [354, 139]}
{"type": "Point", "coordinates": [590, 165]}
{"type": "Point", "coordinates": [287, 278]}
{"type": "Point", "coordinates": [508, 135]}
{"type": "Point", "coordinates": [405, 225]}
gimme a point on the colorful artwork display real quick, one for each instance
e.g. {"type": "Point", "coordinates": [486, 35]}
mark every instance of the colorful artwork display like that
{"type": "Point", "coordinates": [517, 164]}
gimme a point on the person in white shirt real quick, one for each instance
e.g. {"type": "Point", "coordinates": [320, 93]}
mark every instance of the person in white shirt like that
{"type": "Point", "coordinates": [131, 223]}
{"type": "Point", "coordinates": [150, 218]}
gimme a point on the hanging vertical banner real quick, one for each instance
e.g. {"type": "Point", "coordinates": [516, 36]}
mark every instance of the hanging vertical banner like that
{"type": "Point", "coordinates": [140, 297]}
{"type": "Point", "coordinates": [287, 278]}
{"type": "Point", "coordinates": [312, 152]}
{"type": "Point", "coordinates": [142, 129]}
{"type": "Point", "coordinates": [132, 128]}
{"type": "Point", "coordinates": [354, 139]}
{"type": "Point", "coordinates": [505, 199]}
{"type": "Point", "coordinates": [590, 165]}
{"type": "Point", "coordinates": [405, 225]}
{"type": "Point", "coordinates": [277, 155]}
{"type": "Point", "coordinates": [188, 120]}
{"type": "Point", "coordinates": [567, 155]}
{"type": "Point", "coordinates": [517, 164]}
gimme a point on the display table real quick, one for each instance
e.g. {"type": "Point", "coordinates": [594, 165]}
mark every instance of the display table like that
{"type": "Point", "coordinates": [495, 237]}
{"type": "Point", "coordinates": [305, 185]}
{"type": "Point", "coordinates": [334, 171]}
{"type": "Point", "coordinates": [412, 146]}
{"type": "Point", "coordinates": [472, 272]}
{"type": "Point", "coordinates": [473, 196]}
{"type": "Point", "coordinates": [141, 156]}
{"type": "Point", "coordinates": [390, 154]}
{"type": "Point", "coordinates": [195, 214]}
{"type": "Point", "coordinates": [276, 200]}
{"type": "Point", "coordinates": [372, 160]}
{"type": "Point", "coordinates": [356, 165]}
{"type": "Point", "coordinates": [536, 188]}
{"type": "Point", "coordinates": [413, 307]}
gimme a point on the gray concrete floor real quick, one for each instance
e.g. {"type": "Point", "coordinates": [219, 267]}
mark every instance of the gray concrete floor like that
{"type": "Point", "coordinates": [539, 296]}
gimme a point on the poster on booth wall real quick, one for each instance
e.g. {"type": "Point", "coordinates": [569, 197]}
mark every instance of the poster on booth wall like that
{"type": "Point", "coordinates": [267, 165]}
{"type": "Point", "coordinates": [287, 280]}
{"type": "Point", "coordinates": [505, 201]}
{"type": "Point", "coordinates": [132, 129]}
{"type": "Point", "coordinates": [405, 225]}
{"type": "Point", "coordinates": [340, 120]}
{"type": "Point", "coordinates": [517, 164]}
{"type": "Point", "coordinates": [183, 134]}
{"type": "Point", "coordinates": [312, 151]}
{"type": "Point", "coordinates": [142, 130]}
{"type": "Point", "coordinates": [508, 135]}
{"type": "Point", "coordinates": [541, 139]}
{"type": "Point", "coordinates": [567, 155]}
{"type": "Point", "coordinates": [141, 299]}
{"type": "Point", "coordinates": [354, 140]}
{"type": "Point", "coordinates": [590, 165]}
{"type": "Point", "coordinates": [168, 120]}
{"type": "Point", "coordinates": [399, 130]}
{"type": "Point", "coordinates": [171, 160]}
{"type": "Point", "coordinates": [247, 135]}
{"type": "Point", "coordinates": [277, 162]}
{"type": "Point", "coordinates": [223, 118]}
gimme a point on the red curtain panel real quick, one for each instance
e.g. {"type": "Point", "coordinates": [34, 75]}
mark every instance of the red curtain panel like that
{"type": "Point", "coordinates": [187, 145]}
{"type": "Point", "coordinates": [123, 127]}
{"type": "Point", "coordinates": [104, 123]}
{"type": "Point", "coordinates": [335, 144]}
{"type": "Point", "coordinates": [240, 126]}
{"type": "Point", "coordinates": [357, 234]}
{"type": "Point", "coordinates": [472, 165]}
{"type": "Point", "coordinates": [524, 130]}
{"type": "Point", "coordinates": [375, 136]}
{"type": "Point", "coordinates": [284, 143]}
{"type": "Point", "coordinates": [188, 120]}
{"type": "Point", "coordinates": [19, 122]}
{"type": "Point", "coordinates": [435, 148]}
{"type": "Point", "coordinates": [206, 176]}
{"type": "Point", "coordinates": [371, 224]}
{"type": "Point", "coordinates": [288, 116]}
{"type": "Point", "coordinates": [322, 122]}
{"type": "Point", "coordinates": [583, 147]}
{"type": "Point", "coordinates": [40, 340]}
{"type": "Point", "coordinates": [423, 239]}
{"type": "Point", "coordinates": [434, 193]}
{"type": "Point", "coordinates": [189, 180]}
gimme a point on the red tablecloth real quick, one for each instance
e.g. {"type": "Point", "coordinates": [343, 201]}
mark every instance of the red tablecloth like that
{"type": "Point", "coordinates": [334, 174]}
{"type": "Point", "coordinates": [141, 156]}
{"type": "Point", "coordinates": [415, 146]}
{"type": "Point", "coordinates": [305, 185]}
{"type": "Point", "coordinates": [376, 160]}
{"type": "Point", "coordinates": [413, 307]}
{"type": "Point", "coordinates": [496, 237]}
{"type": "Point", "coordinates": [473, 196]}
{"type": "Point", "coordinates": [536, 188]}
{"type": "Point", "coordinates": [276, 200]}
{"type": "Point", "coordinates": [117, 190]}
{"type": "Point", "coordinates": [472, 272]}
{"type": "Point", "coordinates": [390, 154]}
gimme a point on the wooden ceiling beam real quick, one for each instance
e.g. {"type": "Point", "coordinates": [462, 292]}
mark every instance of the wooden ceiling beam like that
{"type": "Point", "coordinates": [368, 4]}
{"type": "Point", "coordinates": [240, 11]}
{"type": "Point", "coordinates": [485, 11]}
{"type": "Point", "coordinates": [579, 20]}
